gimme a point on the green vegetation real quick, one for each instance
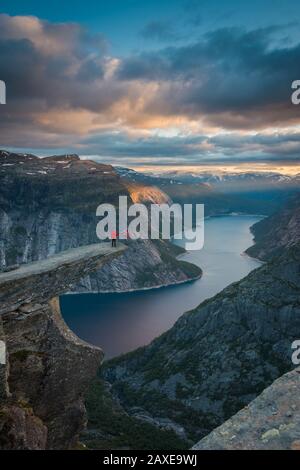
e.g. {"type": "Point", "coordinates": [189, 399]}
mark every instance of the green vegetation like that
{"type": "Point", "coordinates": [12, 254]}
{"type": "Point", "coordinates": [195, 423]}
{"type": "Point", "coordinates": [24, 405]}
{"type": "Point", "coordinates": [145, 278]}
{"type": "Point", "coordinates": [20, 230]}
{"type": "Point", "coordinates": [110, 427]}
{"type": "Point", "coordinates": [23, 354]}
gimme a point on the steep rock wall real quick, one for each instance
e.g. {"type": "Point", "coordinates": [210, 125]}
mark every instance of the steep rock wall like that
{"type": "Point", "coordinates": [48, 369]}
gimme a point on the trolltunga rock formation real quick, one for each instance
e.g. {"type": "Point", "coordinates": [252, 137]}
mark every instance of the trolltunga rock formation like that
{"type": "Point", "coordinates": [47, 368]}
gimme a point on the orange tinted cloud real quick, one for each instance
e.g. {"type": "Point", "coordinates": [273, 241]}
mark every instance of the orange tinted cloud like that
{"type": "Point", "coordinates": [185, 103]}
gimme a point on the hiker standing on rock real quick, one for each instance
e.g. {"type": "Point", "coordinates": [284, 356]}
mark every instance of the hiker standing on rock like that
{"type": "Point", "coordinates": [114, 239]}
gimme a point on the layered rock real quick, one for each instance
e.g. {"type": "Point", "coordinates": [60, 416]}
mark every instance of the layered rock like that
{"type": "Point", "coordinates": [48, 369]}
{"type": "Point", "coordinates": [144, 265]}
{"type": "Point", "coordinates": [42, 280]}
{"type": "Point", "coordinates": [270, 422]}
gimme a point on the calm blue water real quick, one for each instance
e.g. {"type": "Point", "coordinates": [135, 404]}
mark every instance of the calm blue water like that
{"type": "Point", "coordinates": [122, 322]}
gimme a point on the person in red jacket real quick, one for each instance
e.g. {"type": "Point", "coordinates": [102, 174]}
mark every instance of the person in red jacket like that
{"type": "Point", "coordinates": [114, 239]}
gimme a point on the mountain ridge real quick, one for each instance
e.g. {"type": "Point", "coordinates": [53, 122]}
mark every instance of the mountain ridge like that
{"type": "Point", "coordinates": [277, 232]}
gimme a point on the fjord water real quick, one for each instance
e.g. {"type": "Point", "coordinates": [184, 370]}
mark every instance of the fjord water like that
{"type": "Point", "coordinates": [119, 323]}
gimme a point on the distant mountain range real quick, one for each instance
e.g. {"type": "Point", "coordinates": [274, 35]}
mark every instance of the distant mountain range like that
{"type": "Point", "coordinates": [220, 179]}
{"type": "Point", "coordinates": [260, 193]}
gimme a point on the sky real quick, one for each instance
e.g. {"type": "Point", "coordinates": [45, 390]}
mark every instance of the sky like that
{"type": "Point", "coordinates": [181, 83]}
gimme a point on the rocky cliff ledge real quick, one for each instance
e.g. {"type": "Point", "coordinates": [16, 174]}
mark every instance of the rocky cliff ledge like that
{"type": "Point", "coordinates": [270, 422]}
{"type": "Point", "coordinates": [47, 368]}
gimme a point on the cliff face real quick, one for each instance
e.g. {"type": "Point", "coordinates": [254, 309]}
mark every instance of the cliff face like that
{"type": "Point", "coordinates": [218, 357]}
{"type": "Point", "coordinates": [270, 422]}
{"type": "Point", "coordinates": [49, 205]}
{"type": "Point", "coordinates": [47, 369]}
{"type": "Point", "coordinates": [277, 232]}
{"type": "Point", "coordinates": [144, 265]}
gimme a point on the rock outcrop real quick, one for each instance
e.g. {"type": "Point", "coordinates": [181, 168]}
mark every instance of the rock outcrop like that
{"type": "Point", "coordinates": [42, 280]}
{"type": "Point", "coordinates": [270, 422]}
{"type": "Point", "coordinates": [144, 265]}
{"type": "Point", "coordinates": [47, 369]}
{"type": "Point", "coordinates": [277, 232]}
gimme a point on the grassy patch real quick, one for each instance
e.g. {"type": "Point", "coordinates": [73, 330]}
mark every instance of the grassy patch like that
{"type": "Point", "coordinates": [110, 427]}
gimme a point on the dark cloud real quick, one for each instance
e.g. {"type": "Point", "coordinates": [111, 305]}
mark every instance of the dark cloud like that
{"type": "Point", "coordinates": [160, 31]}
{"type": "Point", "coordinates": [90, 71]}
{"type": "Point", "coordinates": [201, 148]}
{"type": "Point", "coordinates": [54, 64]}
{"type": "Point", "coordinates": [235, 77]}
{"type": "Point", "coordinates": [120, 144]}
{"type": "Point", "coordinates": [118, 148]}
{"type": "Point", "coordinates": [65, 91]}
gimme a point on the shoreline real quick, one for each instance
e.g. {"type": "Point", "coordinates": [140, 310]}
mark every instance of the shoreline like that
{"type": "Point", "coordinates": [139, 289]}
{"type": "Point", "coordinates": [244, 253]}
{"type": "Point", "coordinates": [236, 214]}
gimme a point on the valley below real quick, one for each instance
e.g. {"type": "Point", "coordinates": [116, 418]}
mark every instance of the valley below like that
{"type": "Point", "coordinates": [121, 322]}
{"type": "Point", "coordinates": [221, 355]}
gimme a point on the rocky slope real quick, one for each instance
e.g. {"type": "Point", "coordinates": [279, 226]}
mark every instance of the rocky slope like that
{"type": "Point", "coordinates": [49, 205]}
{"type": "Point", "coordinates": [274, 234]}
{"type": "Point", "coordinates": [218, 357]}
{"type": "Point", "coordinates": [47, 369]}
{"type": "Point", "coordinates": [146, 264]}
{"type": "Point", "coordinates": [270, 422]}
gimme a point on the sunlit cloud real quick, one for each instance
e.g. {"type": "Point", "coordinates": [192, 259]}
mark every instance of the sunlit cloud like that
{"type": "Point", "coordinates": [224, 97]}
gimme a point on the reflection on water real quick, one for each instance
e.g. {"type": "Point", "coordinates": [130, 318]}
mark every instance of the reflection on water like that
{"type": "Point", "coordinates": [122, 322]}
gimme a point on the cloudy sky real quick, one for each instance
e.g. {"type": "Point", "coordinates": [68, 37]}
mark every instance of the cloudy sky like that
{"type": "Point", "coordinates": [153, 82]}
